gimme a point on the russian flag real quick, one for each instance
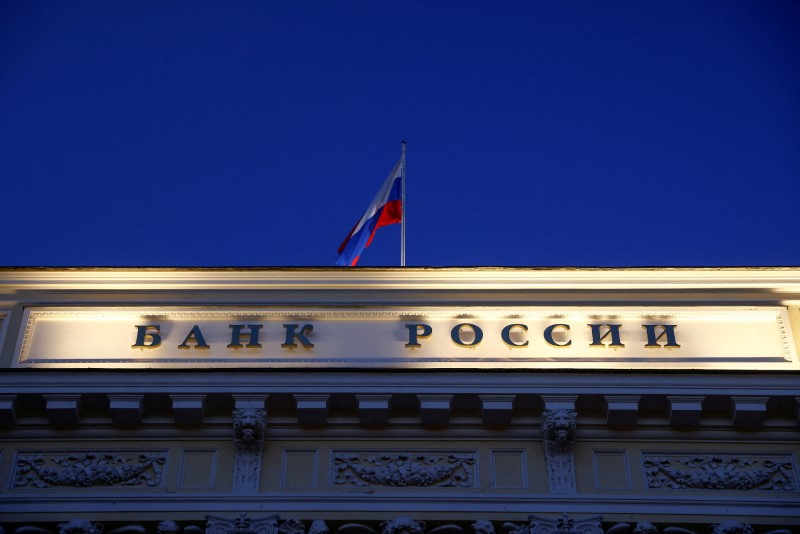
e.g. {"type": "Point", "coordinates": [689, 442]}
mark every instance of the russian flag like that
{"type": "Point", "coordinates": [385, 209]}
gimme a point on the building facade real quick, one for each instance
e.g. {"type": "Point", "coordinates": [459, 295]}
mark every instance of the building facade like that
{"type": "Point", "coordinates": [387, 401]}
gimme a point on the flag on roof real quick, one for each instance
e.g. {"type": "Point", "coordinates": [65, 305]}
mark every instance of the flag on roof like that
{"type": "Point", "coordinates": [385, 209]}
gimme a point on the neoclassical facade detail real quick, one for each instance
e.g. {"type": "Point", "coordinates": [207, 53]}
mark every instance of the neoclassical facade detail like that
{"type": "Point", "coordinates": [558, 430]}
{"type": "Point", "coordinates": [400, 469]}
{"type": "Point", "coordinates": [403, 525]}
{"type": "Point", "coordinates": [80, 526]}
{"type": "Point", "coordinates": [485, 400]}
{"type": "Point", "coordinates": [292, 526]}
{"type": "Point", "coordinates": [726, 527]}
{"type": "Point", "coordinates": [84, 469]}
{"type": "Point", "coordinates": [264, 525]}
{"type": "Point", "coordinates": [720, 472]}
{"type": "Point", "coordinates": [561, 525]}
{"type": "Point", "coordinates": [242, 525]}
{"type": "Point", "coordinates": [318, 526]}
{"type": "Point", "coordinates": [731, 527]}
{"type": "Point", "coordinates": [248, 428]}
{"type": "Point", "coordinates": [483, 527]}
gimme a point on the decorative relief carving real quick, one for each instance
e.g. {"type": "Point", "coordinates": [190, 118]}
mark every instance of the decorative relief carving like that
{"type": "Point", "coordinates": [241, 525]}
{"type": "Point", "coordinates": [785, 342]}
{"type": "Point", "coordinates": [108, 468]}
{"type": "Point", "coordinates": [720, 472]}
{"type": "Point", "coordinates": [247, 470]}
{"type": "Point", "coordinates": [558, 427]}
{"type": "Point", "coordinates": [645, 527]}
{"type": "Point", "coordinates": [400, 469]}
{"type": "Point", "coordinates": [731, 527]}
{"type": "Point", "coordinates": [318, 526]}
{"type": "Point", "coordinates": [726, 527]}
{"type": "Point", "coordinates": [403, 525]}
{"type": "Point", "coordinates": [167, 527]}
{"type": "Point", "coordinates": [292, 526]}
{"type": "Point", "coordinates": [80, 526]}
{"type": "Point", "coordinates": [562, 525]}
{"type": "Point", "coordinates": [248, 425]}
{"type": "Point", "coordinates": [561, 472]}
{"type": "Point", "coordinates": [399, 525]}
{"type": "Point", "coordinates": [558, 431]}
{"type": "Point", "coordinates": [248, 431]}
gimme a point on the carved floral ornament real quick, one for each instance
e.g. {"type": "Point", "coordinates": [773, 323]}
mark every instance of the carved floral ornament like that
{"type": "Point", "coordinates": [562, 525]}
{"type": "Point", "coordinates": [243, 524]}
{"type": "Point", "coordinates": [720, 472]}
{"type": "Point", "coordinates": [83, 526]}
{"type": "Point", "coordinates": [401, 469]}
{"type": "Point", "coordinates": [86, 469]}
{"type": "Point", "coordinates": [264, 525]}
{"type": "Point", "coordinates": [80, 526]}
{"type": "Point", "coordinates": [168, 527]}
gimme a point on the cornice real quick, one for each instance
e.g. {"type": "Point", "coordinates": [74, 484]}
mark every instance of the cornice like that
{"type": "Point", "coordinates": [771, 280]}
{"type": "Point", "coordinates": [414, 382]}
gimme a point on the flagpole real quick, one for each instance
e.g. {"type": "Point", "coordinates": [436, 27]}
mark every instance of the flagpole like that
{"type": "Point", "coordinates": [403, 204]}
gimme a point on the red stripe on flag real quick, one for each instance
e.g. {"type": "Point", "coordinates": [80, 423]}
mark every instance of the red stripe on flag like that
{"type": "Point", "coordinates": [391, 213]}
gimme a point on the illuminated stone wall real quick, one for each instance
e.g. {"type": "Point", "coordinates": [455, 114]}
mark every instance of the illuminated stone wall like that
{"type": "Point", "coordinates": [302, 449]}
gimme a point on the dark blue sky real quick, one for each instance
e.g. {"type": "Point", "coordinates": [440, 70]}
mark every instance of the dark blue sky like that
{"type": "Point", "coordinates": [539, 133]}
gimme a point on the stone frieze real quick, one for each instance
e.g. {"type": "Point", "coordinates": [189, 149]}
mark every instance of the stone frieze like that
{"type": "Point", "coordinates": [401, 469]}
{"type": "Point", "coordinates": [86, 469]}
{"type": "Point", "coordinates": [720, 472]}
